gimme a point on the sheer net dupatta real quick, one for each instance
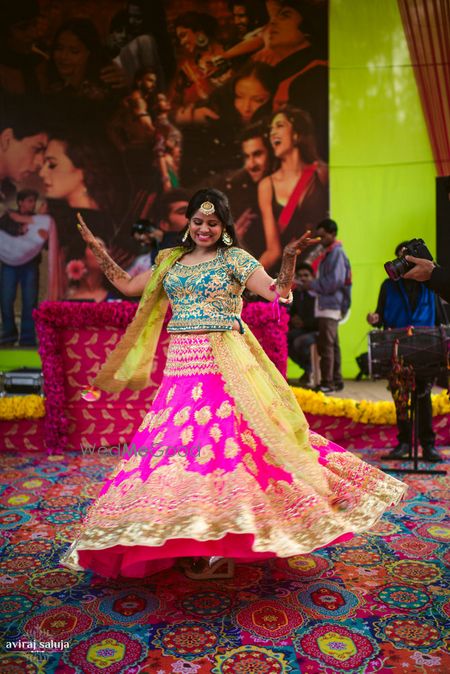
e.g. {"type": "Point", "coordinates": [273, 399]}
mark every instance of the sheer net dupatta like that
{"type": "Point", "coordinates": [268, 405]}
{"type": "Point", "coordinates": [129, 365]}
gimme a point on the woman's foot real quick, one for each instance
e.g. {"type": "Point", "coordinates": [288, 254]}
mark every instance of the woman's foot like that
{"type": "Point", "coordinates": [210, 568]}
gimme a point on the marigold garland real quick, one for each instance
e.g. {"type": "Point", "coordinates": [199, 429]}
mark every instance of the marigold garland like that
{"type": "Point", "coordinates": [22, 407]}
{"type": "Point", "coordinates": [360, 411]}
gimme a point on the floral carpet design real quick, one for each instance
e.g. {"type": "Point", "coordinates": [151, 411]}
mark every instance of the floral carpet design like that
{"type": "Point", "coordinates": [376, 604]}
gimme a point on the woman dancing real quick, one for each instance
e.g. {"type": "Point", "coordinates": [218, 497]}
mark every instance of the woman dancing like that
{"type": "Point", "coordinates": [225, 466]}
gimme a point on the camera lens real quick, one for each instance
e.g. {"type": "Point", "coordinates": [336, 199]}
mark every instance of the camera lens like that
{"type": "Point", "coordinates": [397, 268]}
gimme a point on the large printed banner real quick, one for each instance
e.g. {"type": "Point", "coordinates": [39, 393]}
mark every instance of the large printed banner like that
{"type": "Point", "coordinates": [120, 110]}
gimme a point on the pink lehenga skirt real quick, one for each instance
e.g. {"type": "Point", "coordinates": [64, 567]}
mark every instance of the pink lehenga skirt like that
{"type": "Point", "coordinates": [199, 480]}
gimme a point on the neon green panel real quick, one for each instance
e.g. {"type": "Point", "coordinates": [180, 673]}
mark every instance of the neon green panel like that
{"type": "Point", "coordinates": [381, 167]}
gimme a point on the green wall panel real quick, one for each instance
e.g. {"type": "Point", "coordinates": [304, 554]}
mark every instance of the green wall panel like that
{"type": "Point", "coordinates": [381, 168]}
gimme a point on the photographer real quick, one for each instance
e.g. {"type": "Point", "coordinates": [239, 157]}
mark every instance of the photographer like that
{"type": "Point", "coordinates": [403, 303]}
{"type": "Point", "coordinates": [437, 278]}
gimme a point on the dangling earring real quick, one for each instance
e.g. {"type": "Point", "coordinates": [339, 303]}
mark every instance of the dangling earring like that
{"type": "Point", "coordinates": [226, 238]}
{"type": "Point", "coordinates": [185, 235]}
{"type": "Point", "coordinates": [201, 40]}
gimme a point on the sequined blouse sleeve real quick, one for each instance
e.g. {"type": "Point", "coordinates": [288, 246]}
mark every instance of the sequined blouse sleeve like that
{"type": "Point", "coordinates": [241, 264]}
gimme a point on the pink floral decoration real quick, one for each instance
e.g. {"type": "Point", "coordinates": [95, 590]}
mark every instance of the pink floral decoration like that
{"type": "Point", "coordinates": [270, 330]}
{"type": "Point", "coordinates": [51, 318]}
{"type": "Point", "coordinates": [75, 270]}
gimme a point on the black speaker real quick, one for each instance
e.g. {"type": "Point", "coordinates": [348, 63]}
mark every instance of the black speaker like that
{"type": "Point", "coordinates": [443, 220]}
{"type": "Point", "coordinates": [24, 380]}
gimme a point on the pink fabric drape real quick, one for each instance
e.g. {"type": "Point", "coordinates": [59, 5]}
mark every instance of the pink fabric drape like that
{"type": "Point", "coordinates": [427, 29]}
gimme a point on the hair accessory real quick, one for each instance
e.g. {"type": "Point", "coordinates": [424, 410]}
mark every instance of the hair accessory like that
{"type": "Point", "coordinates": [207, 208]}
{"type": "Point", "coordinates": [185, 235]}
{"type": "Point", "coordinates": [226, 238]}
{"type": "Point", "coordinates": [75, 270]}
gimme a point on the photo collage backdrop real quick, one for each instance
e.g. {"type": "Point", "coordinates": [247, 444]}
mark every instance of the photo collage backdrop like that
{"type": "Point", "coordinates": [119, 111]}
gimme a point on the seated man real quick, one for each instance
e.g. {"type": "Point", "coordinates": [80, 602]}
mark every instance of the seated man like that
{"type": "Point", "coordinates": [303, 325]}
{"type": "Point", "coordinates": [401, 304]}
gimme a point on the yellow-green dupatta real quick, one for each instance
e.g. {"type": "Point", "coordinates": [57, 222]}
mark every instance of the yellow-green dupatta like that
{"type": "Point", "coordinates": [130, 364]}
{"type": "Point", "coordinates": [266, 401]}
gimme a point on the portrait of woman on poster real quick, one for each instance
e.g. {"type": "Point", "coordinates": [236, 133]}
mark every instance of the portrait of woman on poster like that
{"type": "Point", "coordinates": [196, 38]}
{"type": "Point", "coordinates": [82, 173]}
{"type": "Point", "coordinates": [296, 46]}
{"type": "Point", "coordinates": [220, 121]}
{"type": "Point", "coordinates": [242, 101]}
{"type": "Point", "coordinates": [79, 66]}
{"type": "Point", "coordinates": [295, 196]}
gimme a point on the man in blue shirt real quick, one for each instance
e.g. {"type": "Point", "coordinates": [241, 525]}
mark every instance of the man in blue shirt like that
{"type": "Point", "coordinates": [401, 304]}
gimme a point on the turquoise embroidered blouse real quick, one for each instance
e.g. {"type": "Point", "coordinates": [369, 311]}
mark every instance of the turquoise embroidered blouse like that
{"type": "Point", "coordinates": [208, 295]}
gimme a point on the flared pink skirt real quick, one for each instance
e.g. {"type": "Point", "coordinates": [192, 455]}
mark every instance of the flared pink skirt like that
{"type": "Point", "coordinates": [198, 481]}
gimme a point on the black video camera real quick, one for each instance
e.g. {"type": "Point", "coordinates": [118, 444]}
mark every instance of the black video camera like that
{"type": "Point", "coordinates": [399, 267]}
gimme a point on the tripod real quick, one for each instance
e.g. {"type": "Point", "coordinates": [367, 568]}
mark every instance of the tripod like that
{"type": "Point", "coordinates": [402, 355]}
{"type": "Point", "coordinates": [413, 419]}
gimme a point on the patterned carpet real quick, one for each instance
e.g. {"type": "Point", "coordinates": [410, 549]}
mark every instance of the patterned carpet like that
{"type": "Point", "coordinates": [375, 604]}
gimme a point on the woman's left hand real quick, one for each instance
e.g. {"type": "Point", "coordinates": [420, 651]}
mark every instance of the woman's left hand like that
{"type": "Point", "coordinates": [295, 247]}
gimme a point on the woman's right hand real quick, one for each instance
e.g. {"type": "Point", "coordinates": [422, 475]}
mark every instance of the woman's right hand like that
{"type": "Point", "coordinates": [86, 232]}
{"type": "Point", "coordinates": [118, 277]}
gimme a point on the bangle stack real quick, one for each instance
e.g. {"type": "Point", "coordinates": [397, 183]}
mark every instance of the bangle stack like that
{"type": "Point", "coordinates": [287, 300]}
{"type": "Point", "coordinates": [282, 300]}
